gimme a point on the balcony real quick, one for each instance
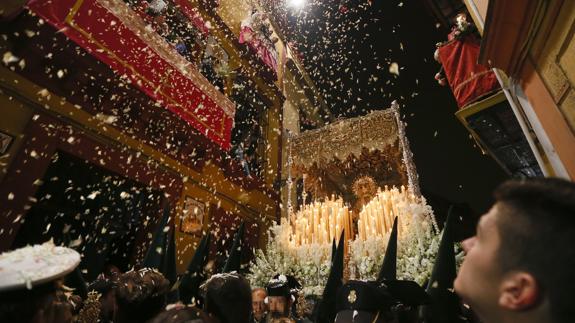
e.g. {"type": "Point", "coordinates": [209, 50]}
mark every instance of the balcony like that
{"type": "Point", "coordinates": [100, 87]}
{"type": "Point", "coordinates": [182, 26]}
{"type": "Point", "coordinates": [495, 129]}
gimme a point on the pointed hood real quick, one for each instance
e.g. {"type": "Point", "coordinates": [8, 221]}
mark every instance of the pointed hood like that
{"type": "Point", "coordinates": [388, 269]}
{"type": "Point", "coordinates": [327, 306]}
{"type": "Point", "coordinates": [283, 285]}
{"type": "Point", "coordinates": [333, 250]}
{"type": "Point", "coordinates": [234, 259]}
{"type": "Point", "coordinates": [155, 254]}
{"type": "Point", "coordinates": [404, 291]}
{"type": "Point", "coordinates": [444, 306]}
{"type": "Point", "coordinates": [444, 271]}
{"type": "Point", "coordinates": [169, 268]}
{"type": "Point", "coordinates": [189, 286]}
{"type": "Point", "coordinates": [169, 261]}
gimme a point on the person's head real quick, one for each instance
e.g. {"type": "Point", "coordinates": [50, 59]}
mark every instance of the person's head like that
{"type": "Point", "coordinates": [364, 188]}
{"type": "Point", "coordinates": [45, 303]}
{"type": "Point", "coordinates": [38, 295]}
{"type": "Point", "coordinates": [311, 304]}
{"type": "Point", "coordinates": [363, 302]}
{"type": "Point", "coordinates": [281, 291]}
{"type": "Point", "coordinates": [185, 314]}
{"type": "Point", "coordinates": [140, 295]}
{"type": "Point", "coordinates": [519, 264]}
{"type": "Point", "coordinates": [106, 288]}
{"type": "Point", "coordinates": [461, 19]}
{"type": "Point", "coordinates": [259, 307]}
{"type": "Point", "coordinates": [111, 272]}
{"type": "Point", "coordinates": [279, 306]}
{"type": "Point", "coordinates": [228, 297]}
{"type": "Point", "coordinates": [282, 320]}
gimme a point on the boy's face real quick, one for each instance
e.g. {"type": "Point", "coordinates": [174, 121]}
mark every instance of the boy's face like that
{"type": "Point", "coordinates": [479, 279]}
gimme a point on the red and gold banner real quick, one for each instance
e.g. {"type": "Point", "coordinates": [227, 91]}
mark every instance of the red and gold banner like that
{"type": "Point", "coordinates": [110, 31]}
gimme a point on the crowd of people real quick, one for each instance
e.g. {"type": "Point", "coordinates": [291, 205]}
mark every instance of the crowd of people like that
{"type": "Point", "coordinates": [517, 269]}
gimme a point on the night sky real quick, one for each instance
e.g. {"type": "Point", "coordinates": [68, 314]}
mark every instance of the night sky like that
{"type": "Point", "coordinates": [349, 54]}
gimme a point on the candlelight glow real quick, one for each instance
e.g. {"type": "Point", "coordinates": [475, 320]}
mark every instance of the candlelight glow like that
{"type": "Point", "coordinates": [376, 218]}
{"type": "Point", "coordinates": [321, 222]}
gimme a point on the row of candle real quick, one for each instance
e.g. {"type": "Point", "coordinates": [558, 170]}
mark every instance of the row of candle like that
{"type": "Point", "coordinates": [321, 222]}
{"type": "Point", "coordinates": [376, 218]}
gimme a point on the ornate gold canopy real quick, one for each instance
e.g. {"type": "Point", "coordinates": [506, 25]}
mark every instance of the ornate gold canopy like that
{"type": "Point", "coordinates": [332, 157]}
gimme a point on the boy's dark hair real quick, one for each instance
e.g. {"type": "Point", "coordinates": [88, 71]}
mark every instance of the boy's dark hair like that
{"type": "Point", "coordinates": [140, 295]}
{"type": "Point", "coordinates": [537, 229]}
{"type": "Point", "coordinates": [228, 297]}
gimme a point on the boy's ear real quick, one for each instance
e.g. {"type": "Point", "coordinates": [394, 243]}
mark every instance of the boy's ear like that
{"type": "Point", "coordinates": [519, 291]}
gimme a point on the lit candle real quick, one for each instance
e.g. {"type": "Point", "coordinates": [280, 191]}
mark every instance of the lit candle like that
{"type": "Point", "coordinates": [346, 226]}
{"type": "Point", "coordinates": [296, 235]}
{"type": "Point", "coordinates": [316, 219]}
{"type": "Point", "coordinates": [380, 222]}
{"type": "Point", "coordinates": [325, 223]}
{"type": "Point", "coordinates": [333, 223]}
{"type": "Point", "coordinates": [385, 214]}
{"type": "Point", "coordinates": [373, 224]}
{"type": "Point", "coordinates": [367, 222]}
{"type": "Point", "coordinates": [311, 216]}
{"type": "Point", "coordinates": [340, 219]}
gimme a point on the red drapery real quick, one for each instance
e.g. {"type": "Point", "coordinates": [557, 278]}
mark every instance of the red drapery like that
{"type": "Point", "coordinates": [193, 15]}
{"type": "Point", "coordinates": [111, 32]}
{"type": "Point", "coordinates": [468, 80]}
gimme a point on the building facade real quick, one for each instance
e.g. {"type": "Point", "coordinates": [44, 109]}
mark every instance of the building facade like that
{"type": "Point", "coordinates": [116, 110]}
{"type": "Point", "coordinates": [531, 45]}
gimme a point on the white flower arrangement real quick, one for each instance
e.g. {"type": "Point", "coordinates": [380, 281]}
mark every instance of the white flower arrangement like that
{"type": "Point", "coordinates": [418, 243]}
{"type": "Point", "coordinates": [416, 253]}
{"type": "Point", "coordinates": [309, 263]}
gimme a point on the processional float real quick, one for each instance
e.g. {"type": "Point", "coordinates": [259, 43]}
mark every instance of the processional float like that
{"type": "Point", "coordinates": [359, 175]}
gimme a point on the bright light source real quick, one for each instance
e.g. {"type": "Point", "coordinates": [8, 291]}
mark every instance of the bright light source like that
{"type": "Point", "coordinates": [296, 3]}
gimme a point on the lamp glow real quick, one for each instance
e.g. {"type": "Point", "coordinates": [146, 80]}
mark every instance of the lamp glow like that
{"type": "Point", "coordinates": [296, 3]}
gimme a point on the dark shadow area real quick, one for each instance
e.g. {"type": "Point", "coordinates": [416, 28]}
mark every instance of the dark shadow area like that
{"type": "Point", "coordinates": [102, 215]}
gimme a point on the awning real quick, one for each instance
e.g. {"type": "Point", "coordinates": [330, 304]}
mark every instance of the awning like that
{"type": "Point", "coordinates": [113, 33]}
